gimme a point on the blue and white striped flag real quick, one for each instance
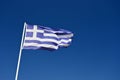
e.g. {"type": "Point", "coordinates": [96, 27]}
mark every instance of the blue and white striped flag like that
{"type": "Point", "coordinates": [40, 37]}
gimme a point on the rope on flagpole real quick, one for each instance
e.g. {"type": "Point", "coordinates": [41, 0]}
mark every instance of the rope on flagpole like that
{"type": "Point", "coordinates": [20, 52]}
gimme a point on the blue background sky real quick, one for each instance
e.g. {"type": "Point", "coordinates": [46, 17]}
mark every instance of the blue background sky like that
{"type": "Point", "coordinates": [93, 55]}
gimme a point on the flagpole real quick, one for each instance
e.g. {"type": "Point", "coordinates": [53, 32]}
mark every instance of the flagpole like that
{"type": "Point", "coordinates": [20, 53]}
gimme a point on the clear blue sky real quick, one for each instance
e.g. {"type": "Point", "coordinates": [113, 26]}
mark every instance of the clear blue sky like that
{"type": "Point", "coordinates": [93, 55]}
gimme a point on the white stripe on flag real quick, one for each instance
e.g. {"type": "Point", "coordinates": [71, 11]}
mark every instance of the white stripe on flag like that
{"type": "Point", "coordinates": [42, 40]}
{"type": "Point", "coordinates": [51, 35]}
{"type": "Point", "coordinates": [64, 45]}
{"type": "Point", "coordinates": [32, 30]}
{"type": "Point", "coordinates": [41, 45]}
{"type": "Point", "coordinates": [65, 41]}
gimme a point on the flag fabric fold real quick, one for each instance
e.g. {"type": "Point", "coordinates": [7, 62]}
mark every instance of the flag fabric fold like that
{"type": "Point", "coordinates": [40, 37]}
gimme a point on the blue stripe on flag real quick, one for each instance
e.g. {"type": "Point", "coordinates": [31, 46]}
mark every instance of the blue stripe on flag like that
{"type": "Point", "coordinates": [38, 48]}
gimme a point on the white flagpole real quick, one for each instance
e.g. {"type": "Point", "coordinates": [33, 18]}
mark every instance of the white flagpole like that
{"type": "Point", "coordinates": [20, 52]}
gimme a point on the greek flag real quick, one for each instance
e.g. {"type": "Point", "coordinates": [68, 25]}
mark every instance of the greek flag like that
{"type": "Point", "coordinates": [40, 37]}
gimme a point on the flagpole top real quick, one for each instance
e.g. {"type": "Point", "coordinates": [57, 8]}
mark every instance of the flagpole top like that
{"type": "Point", "coordinates": [24, 22]}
